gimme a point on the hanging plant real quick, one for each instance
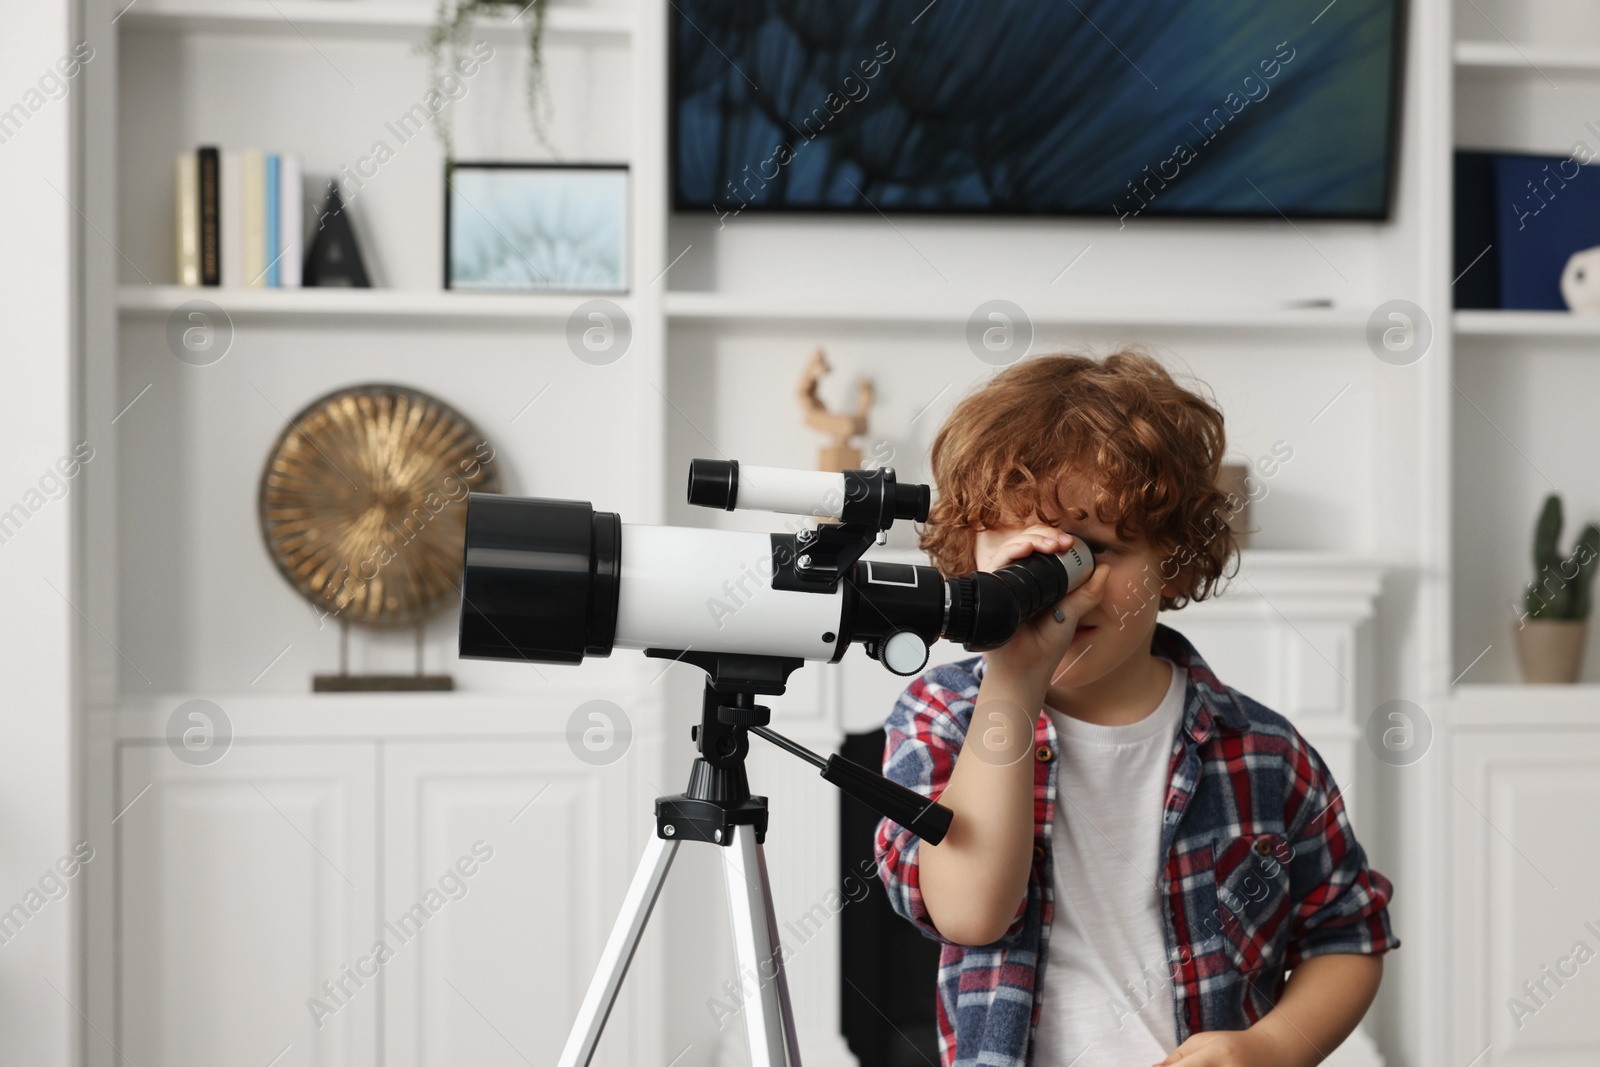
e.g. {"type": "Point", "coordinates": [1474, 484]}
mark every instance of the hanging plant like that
{"type": "Point", "coordinates": [448, 37]}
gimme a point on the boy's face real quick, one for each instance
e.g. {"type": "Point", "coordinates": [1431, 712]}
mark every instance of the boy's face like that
{"type": "Point", "coordinates": [1124, 621]}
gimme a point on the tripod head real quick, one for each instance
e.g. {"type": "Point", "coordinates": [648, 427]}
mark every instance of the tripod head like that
{"type": "Point", "coordinates": [719, 798]}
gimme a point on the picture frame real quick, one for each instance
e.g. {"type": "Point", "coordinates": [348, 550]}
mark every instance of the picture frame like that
{"type": "Point", "coordinates": [536, 227]}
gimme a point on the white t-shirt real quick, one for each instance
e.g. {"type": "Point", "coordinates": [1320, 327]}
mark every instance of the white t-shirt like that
{"type": "Point", "coordinates": [1107, 990]}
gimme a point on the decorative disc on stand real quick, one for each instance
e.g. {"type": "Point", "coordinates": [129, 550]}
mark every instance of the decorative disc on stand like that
{"type": "Point", "coordinates": [363, 508]}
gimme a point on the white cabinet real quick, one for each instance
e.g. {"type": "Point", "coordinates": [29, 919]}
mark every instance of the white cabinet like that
{"type": "Point", "coordinates": [240, 888]}
{"type": "Point", "coordinates": [361, 881]}
{"type": "Point", "coordinates": [1521, 807]}
{"type": "Point", "coordinates": [489, 979]}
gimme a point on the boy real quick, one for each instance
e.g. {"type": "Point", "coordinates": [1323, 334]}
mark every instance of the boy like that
{"type": "Point", "coordinates": [1139, 852]}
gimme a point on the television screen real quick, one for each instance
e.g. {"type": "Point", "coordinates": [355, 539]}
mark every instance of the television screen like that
{"type": "Point", "coordinates": [1125, 108]}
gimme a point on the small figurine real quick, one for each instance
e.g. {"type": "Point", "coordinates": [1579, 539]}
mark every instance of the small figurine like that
{"type": "Point", "coordinates": [839, 454]}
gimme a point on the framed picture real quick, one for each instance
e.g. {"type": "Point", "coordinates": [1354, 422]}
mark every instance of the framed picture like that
{"type": "Point", "coordinates": [536, 227]}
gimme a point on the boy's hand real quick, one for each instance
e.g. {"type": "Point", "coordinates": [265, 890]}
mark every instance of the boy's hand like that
{"type": "Point", "coordinates": [1039, 644]}
{"type": "Point", "coordinates": [1227, 1048]}
{"type": "Point", "coordinates": [1324, 1000]}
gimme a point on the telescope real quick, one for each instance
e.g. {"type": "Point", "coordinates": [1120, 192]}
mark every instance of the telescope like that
{"type": "Point", "coordinates": [555, 581]}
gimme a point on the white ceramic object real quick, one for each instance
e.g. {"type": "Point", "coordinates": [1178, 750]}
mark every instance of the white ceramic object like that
{"type": "Point", "coordinates": [1580, 282]}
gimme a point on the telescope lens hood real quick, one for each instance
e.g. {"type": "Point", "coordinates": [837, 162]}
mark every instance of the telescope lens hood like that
{"type": "Point", "coordinates": [540, 579]}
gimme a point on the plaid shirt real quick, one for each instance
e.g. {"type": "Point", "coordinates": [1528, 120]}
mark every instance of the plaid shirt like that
{"type": "Point", "coordinates": [1260, 868]}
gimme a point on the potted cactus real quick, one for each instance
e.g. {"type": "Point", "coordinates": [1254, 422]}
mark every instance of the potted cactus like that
{"type": "Point", "coordinates": [1550, 635]}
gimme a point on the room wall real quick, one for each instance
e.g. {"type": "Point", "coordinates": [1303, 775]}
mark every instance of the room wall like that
{"type": "Point", "coordinates": [39, 968]}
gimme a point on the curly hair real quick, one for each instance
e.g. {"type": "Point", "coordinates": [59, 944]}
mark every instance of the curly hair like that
{"type": "Point", "coordinates": [1150, 448]}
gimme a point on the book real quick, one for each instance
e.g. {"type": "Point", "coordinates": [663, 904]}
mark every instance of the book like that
{"type": "Point", "coordinates": [1546, 208]}
{"type": "Point", "coordinates": [187, 217]}
{"type": "Point", "coordinates": [274, 247]}
{"type": "Point", "coordinates": [252, 204]}
{"type": "Point", "coordinates": [210, 236]}
{"type": "Point", "coordinates": [232, 225]}
{"type": "Point", "coordinates": [291, 221]}
{"type": "Point", "coordinates": [1477, 256]}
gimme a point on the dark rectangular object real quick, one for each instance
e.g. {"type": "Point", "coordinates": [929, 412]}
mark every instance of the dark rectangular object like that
{"type": "Point", "coordinates": [888, 1008]}
{"type": "Point", "coordinates": [210, 218]}
{"type": "Point", "coordinates": [381, 683]}
{"type": "Point", "coordinates": [1215, 108]}
{"type": "Point", "coordinates": [1546, 208]}
{"type": "Point", "coordinates": [1477, 260]}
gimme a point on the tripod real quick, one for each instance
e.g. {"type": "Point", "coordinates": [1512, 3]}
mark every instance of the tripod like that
{"type": "Point", "coordinates": [718, 808]}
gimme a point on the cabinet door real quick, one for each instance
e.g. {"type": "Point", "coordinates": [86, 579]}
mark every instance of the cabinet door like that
{"type": "Point", "coordinates": [1523, 807]}
{"type": "Point", "coordinates": [505, 863]}
{"type": "Point", "coordinates": [241, 888]}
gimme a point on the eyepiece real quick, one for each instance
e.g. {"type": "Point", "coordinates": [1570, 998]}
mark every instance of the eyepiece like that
{"type": "Point", "coordinates": [714, 483]}
{"type": "Point", "coordinates": [984, 609]}
{"type": "Point", "coordinates": [911, 501]}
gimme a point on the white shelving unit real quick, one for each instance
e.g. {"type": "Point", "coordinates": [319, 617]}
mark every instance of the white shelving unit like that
{"type": "Point", "coordinates": [338, 813]}
{"type": "Point", "coordinates": [1429, 474]}
{"type": "Point", "coordinates": [711, 308]}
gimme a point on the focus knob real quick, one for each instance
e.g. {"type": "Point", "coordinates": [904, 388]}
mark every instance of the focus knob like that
{"type": "Point", "coordinates": [904, 653]}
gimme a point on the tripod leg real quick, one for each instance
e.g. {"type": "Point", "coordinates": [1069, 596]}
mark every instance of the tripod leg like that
{"type": "Point", "coordinates": [602, 995]}
{"type": "Point", "coordinates": [768, 1019]}
{"type": "Point", "coordinates": [781, 977]}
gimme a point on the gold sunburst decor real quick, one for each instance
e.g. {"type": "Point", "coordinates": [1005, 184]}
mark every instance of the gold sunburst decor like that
{"type": "Point", "coordinates": [363, 503]}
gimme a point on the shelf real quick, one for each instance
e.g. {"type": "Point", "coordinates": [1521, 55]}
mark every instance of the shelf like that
{"type": "Point", "coordinates": [1507, 58]}
{"type": "Point", "coordinates": [363, 304]}
{"type": "Point", "coordinates": [945, 310]}
{"type": "Point", "coordinates": [1526, 707]}
{"type": "Point", "coordinates": [360, 305]}
{"type": "Point", "coordinates": [349, 18]}
{"type": "Point", "coordinates": [1557, 324]}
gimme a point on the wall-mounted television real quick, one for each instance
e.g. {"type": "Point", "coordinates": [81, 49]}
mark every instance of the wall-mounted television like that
{"type": "Point", "coordinates": [1122, 108]}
